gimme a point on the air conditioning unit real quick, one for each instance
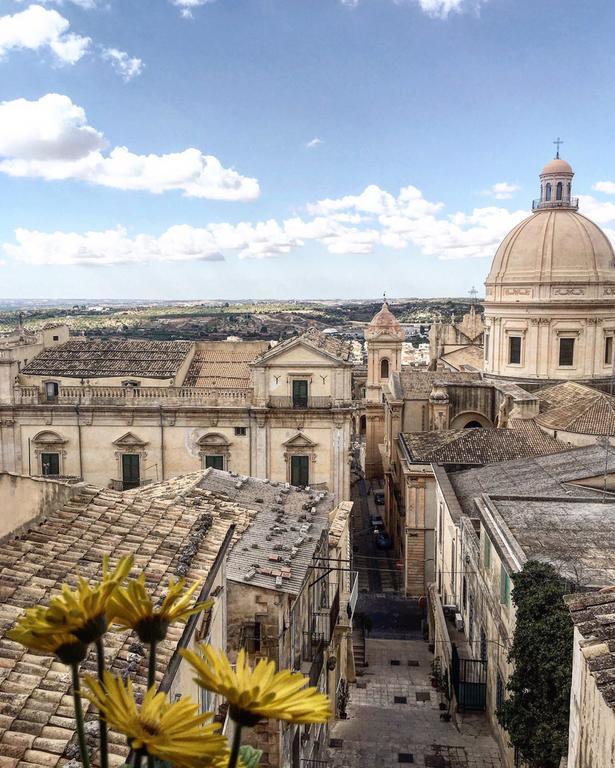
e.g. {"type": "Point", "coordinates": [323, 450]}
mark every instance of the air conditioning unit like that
{"type": "Point", "coordinates": [458, 622]}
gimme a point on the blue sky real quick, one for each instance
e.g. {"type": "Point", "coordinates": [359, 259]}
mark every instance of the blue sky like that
{"type": "Point", "coordinates": [289, 148]}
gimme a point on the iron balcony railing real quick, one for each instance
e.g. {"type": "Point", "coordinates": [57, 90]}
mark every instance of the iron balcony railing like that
{"type": "Point", "coordinates": [127, 485]}
{"type": "Point", "coordinates": [300, 403]}
{"type": "Point", "coordinates": [572, 203]}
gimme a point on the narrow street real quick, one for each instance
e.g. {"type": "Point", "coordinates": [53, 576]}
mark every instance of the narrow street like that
{"type": "Point", "coordinates": [393, 712]}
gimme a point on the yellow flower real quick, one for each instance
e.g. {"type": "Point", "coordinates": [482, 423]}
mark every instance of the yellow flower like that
{"type": "Point", "coordinates": [81, 612]}
{"type": "Point", "coordinates": [258, 693]}
{"type": "Point", "coordinates": [176, 732]}
{"type": "Point", "coordinates": [65, 646]}
{"type": "Point", "coordinates": [131, 607]}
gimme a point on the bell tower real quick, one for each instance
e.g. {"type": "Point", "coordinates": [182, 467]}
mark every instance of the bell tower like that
{"type": "Point", "coordinates": [384, 337]}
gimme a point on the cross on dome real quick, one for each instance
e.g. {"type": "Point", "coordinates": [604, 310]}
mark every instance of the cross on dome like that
{"type": "Point", "coordinates": [558, 142]}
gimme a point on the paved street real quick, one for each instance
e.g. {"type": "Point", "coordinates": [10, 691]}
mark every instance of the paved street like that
{"type": "Point", "coordinates": [393, 713]}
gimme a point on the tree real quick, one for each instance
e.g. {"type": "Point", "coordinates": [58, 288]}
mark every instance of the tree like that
{"type": "Point", "coordinates": [536, 711]}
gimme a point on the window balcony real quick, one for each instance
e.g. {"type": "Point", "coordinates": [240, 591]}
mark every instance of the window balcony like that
{"type": "Point", "coordinates": [302, 403]}
{"type": "Point", "coordinates": [572, 203]}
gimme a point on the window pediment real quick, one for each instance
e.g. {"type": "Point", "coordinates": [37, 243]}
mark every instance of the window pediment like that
{"type": "Point", "coordinates": [211, 440]}
{"type": "Point", "coordinates": [129, 440]}
{"type": "Point", "coordinates": [299, 441]}
{"type": "Point", "coordinates": [47, 437]}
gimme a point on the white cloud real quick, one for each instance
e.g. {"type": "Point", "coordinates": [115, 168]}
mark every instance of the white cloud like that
{"type": "Point", "coordinates": [608, 187]}
{"type": "Point", "coordinates": [437, 9]}
{"type": "Point", "coordinates": [50, 139]}
{"type": "Point", "coordinates": [126, 66]}
{"type": "Point", "coordinates": [601, 213]}
{"type": "Point", "coordinates": [187, 6]}
{"type": "Point", "coordinates": [38, 28]}
{"type": "Point", "coordinates": [313, 143]}
{"type": "Point", "coordinates": [502, 190]}
{"type": "Point", "coordinates": [87, 5]}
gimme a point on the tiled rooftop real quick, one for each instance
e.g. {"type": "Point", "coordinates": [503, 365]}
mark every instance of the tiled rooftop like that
{"type": "Point", "coordinates": [573, 407]}
{"type": "Point", "coordinates": [223, 363]}
{"type": "Point", "coordinates": [465, 358]}
{"type": "Point", "coordinates": [414, 384]}
{"type": "Point", "coordinates": [594, 616]}
{"type": "Point", "coordinates": [477, 446]}
{"type": "Point", "coordinates": [576, 536]}
{"type": "Point", "coordinates": [540, 476]}
{"type": "Point", "coordinates": [283, 534]}
{"type": "Point", "coordinates": [80, 358]}
{"type": "Point", "coordinates": [160, 524]}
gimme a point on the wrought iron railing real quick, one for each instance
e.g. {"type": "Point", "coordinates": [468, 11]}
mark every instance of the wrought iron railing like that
{"type": "Point", "coordinates": [572, 202]}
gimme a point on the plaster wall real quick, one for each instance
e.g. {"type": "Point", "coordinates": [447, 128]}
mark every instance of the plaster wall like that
{"type": "Point", "coordinates": [23, 498]}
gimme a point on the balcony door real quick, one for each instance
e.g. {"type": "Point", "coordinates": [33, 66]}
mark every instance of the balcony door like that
{"type": "Point", "coordinates": [300, 393]}
{"type": "Point", "coordinates": [50, 463]}
{"type": "Point", "coordinates": [131, 470]}
{"type": "Point", "coordinates": [300, 471]}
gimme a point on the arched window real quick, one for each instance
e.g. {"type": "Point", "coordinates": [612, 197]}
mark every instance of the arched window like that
{"type": "Point", "coordinates": [473, 425]}
{"type": "Point", "coordinates": [558, 194]}
{"type": "Point", "coordinates": [569, 190]}
{"type": "Point", "coordinates": [384, 369]}
{"type": "Point", "coordinates": [548, 192]}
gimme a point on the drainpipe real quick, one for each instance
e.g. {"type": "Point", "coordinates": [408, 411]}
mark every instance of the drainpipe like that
{"type": "Point", "coordinates": [29, 459]}
{"type": "Point", "coordinates": [161, 446]}
{"type": "Point", "coordinates": [77, 411]}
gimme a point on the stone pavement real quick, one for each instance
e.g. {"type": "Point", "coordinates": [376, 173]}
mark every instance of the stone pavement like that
{"type": "Point", "coordinates": [394, 718]}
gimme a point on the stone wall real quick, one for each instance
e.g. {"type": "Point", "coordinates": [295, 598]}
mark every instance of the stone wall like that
{"type": "Point", "coordinates": [24, 498]}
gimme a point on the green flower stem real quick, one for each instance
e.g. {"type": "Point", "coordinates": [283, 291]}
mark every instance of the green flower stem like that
{"type": "Point", "coordinates": [83, 747]}
{"type": "Point", "coordinates": [104, 749]}
{"type": "Point", "coordinates": [235, 747]}
{"type": "Point", "coordinates": [151, 670]}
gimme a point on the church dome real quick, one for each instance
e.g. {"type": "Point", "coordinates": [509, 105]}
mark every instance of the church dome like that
{"type": "Point", "coordinates": [384, 322]}
{"type": "Point", "coordinates": [554, 246]}
{"type": "Point", "coordinates": [556, 166]}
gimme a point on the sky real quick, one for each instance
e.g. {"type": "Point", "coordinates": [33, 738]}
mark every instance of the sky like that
{"type": "Point", "coordinates": [289, 149]}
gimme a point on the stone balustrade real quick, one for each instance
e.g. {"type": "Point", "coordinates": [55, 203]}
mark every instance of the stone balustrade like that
{"type": "Point", "coordinates": [134, 396]}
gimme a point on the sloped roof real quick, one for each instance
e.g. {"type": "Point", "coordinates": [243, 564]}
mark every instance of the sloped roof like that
{"type": "Point", "coordinates": [573, 407]}
{"type": "Point", "coordinates": [173, 528]}
{"type": "Point", "coordinates": [469, 357]}
{"type": "Point", "coordinates": [283, 534]}
{"type": "Point", "coordinates": [330, 345]}
{"type": "Point", "coordinates": [223, 363]}
{"type": "Point", "coordinates": [539, 476]}
{"type": "Point", "coordinates": [80, 358]}
{"type": "Point", "coordinates": [418, 384]}
{"type": "Point", "coordinates": [477, 446]}
{"type": "Point", "coordinates": [593, 614]}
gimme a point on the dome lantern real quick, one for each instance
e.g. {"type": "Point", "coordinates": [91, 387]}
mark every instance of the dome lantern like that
{"type": "Point", "coordinates": [556, 185]}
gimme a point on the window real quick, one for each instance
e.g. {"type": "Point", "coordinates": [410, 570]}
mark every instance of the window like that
{"type": "Point", "coordinates": [300, 393]}
{"type": "Point", "coordinates": [548, 192]}
{"type": "Point", "coordinates": [499, 692]}
{"type": "Point", "coordinates": [241, 431]}
{"type": "Point", "coordinates": [566, 351]}
{"type": "Point", "coordinates": [50, 463]}
{"type": "Point", "coordinates": [483, 645]}
{"type": "Point", "coordinates": [504, 587]}
{"type": "Point", "coordinates": [131, 470]}
{"type": "Point", "coordinates": [608, 350]}
{"type": "Point", "coordinates": [487, 552]}
{"type": "Point", "coordinates": [514, 350]}
{"type": "Point", "coordinates": [56, 338]}
{"type": "Point", "coordinates": [464, 592]}
{"type": "Point", "coordinates": [486, 347]}
{"type": "Point", "coordinates": [558, 193]}
{"type": "Point", "coordinates": [131, 384]}
{"type": "Point", "coordinates": [215, 462]}
{"type": "Point", "coordinates": [52, 389]}
{"type": "Point", "coordinates": [453, 562]}
{"type": "Point", "coordinates": [384, 369]}
{"type": "Point", "coordinates": [300, 471]}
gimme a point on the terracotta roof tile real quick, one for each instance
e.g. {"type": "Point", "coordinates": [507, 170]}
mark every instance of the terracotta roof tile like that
{"type": "Point", "coordinates": [572, 407]}
{"type": "Point", "coordinates": [155, 523]}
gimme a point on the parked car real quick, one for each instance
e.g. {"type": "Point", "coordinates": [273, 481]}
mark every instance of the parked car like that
{"type": "Point", "coordinates": [376, 522]}
{"type": "Point", "coordinates": [379, 497]}
{"type": "Point", "coordinates": [383, 541]}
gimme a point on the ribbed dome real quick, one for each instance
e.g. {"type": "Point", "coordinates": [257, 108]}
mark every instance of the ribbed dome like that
{"type": "Point", "coordinates": [557, 166]}
{"type": "Point", "coordinates": [384, 322]}
{"type": "Point", "coordinates": [554, 246]}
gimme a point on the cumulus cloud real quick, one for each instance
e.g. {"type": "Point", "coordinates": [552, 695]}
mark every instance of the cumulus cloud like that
{"type": "Point", "coordinates": [608, 187]}
{"type": "Point", "coordinates": [51, 139]}
{"type": "Point", "coordinates": [126, 66]}
{"type": "Point", "coordinates": [354, 224]}
{"type": "Point", "coordinates": [39, 28]}
{"type": "Point", "coordinates": [437, 9]}
{"type": "Point", "coordinates": [87, 5]}
{"type": "Point", "coordinates": [502, 190]}
{"type": "Point", "coordinates": [313, 143]}
{"type": "Point", "coordinates": [187, 6]}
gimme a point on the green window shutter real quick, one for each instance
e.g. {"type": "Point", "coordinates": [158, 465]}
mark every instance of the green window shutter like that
{"type": "Point", "coordinates": [504, 587]}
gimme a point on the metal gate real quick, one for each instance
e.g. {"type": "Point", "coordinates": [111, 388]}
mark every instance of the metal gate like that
{"type": "Point", "coordinates": [470, 682]}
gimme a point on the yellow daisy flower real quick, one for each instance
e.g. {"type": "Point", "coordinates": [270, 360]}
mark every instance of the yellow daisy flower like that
{"type": "Point", "coordinates": [131, 607]}
{"type": "Point", "coordinates": [65, 646]}
{"type": "Point", "coordinates": [260, 692]}
{"type": "Point", "coordinates": [175, 733]}
{"type": "Point", "coordinates": [81, 612]}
